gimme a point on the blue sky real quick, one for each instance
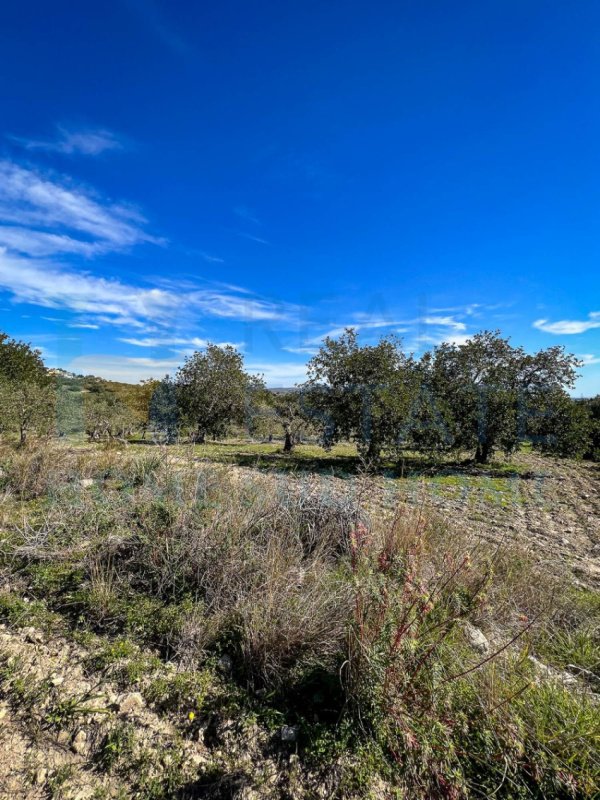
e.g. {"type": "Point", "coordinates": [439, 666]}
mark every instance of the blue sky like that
{"type": "Point", "coordinates": [267, 173]}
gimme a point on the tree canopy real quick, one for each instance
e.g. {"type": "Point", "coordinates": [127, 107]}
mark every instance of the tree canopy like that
{"type": "Point", "coordinates": [481, 395]}
{"type": "Point", "coordinates": [27, 399]}
{"type": "Point", "coordinates": [490, 391]}
{"type": "Point", "coordinates": [359, 392]}
{"type": "Point", "coordinates": [214, 391]}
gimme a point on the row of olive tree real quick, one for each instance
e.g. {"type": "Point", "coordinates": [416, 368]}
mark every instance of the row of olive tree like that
{"type": "Point", "coordinates": [36, 400]}
{"type": "Point", "coordinates": [482, 396]}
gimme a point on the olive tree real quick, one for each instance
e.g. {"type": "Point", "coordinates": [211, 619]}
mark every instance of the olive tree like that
{"type": "Point", "coordinates": [495, 391]}
{"type": "Point", "coordinates": [27, 397]}
{"type": "Point", "coordinates": [137, 398]}
{"type": "Point", "coordinates": [106, 415]}
{"type": "Point", "coordinates": [562, 426]}
{"type": "Point", "coordinates": [164, 413]}
{"type": "Point", "coordinates": [288, 410]}
{"type": "Point", "coordinates": [26, 406]}
{"type": "Point", "coordinates": [359, 392]}
{"type": "Point", "coordinates": [427, 426]}
{"type": "Point", "coordinates": [214, 391]}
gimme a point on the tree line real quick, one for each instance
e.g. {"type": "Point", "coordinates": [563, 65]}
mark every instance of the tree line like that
{"type": "Point", "coordinates": [482, 396]}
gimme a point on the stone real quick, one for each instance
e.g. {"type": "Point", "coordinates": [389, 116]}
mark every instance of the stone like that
{"type": "Point", "coordinates": [549, 673]}
{"type": "Point", "coordinates": [225, 663]}
{"type": "Point", "coordinates": [289, 733]}
{"type": "Point", "coordinates": [476, 638]}
{"type": "Point", "coordinates": [85, 483]}
{"type": "Point", "coordinates": [199, 759]}
{"type": "Point", "coordinates": [130, 703]}
{"type": "Point", "coordinates": [32, 636]}
{"type": "Point", "coordinates": [40, 776]}
{"type": "Point", "coordinates": [79, 742]}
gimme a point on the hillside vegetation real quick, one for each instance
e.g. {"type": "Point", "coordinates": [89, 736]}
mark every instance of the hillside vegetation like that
{"type": "Point", "coordinates": [385, 584]}
{"type": "Point", "coordinates": [181, 628]}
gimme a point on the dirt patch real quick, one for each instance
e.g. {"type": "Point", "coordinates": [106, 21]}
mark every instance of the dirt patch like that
{"type": "Point", "coordinates": [548, 507]}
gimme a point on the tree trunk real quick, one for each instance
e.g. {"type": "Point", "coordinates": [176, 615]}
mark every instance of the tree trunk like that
{"type": "Point", "coordinates": [23, 434]}
{"type": "Point", "coordinates": [288, 443]}
{"type": "Point", "coordinates": [373, 453]}
{"type": "Point", "coordinates": [483, 452]}
{"type": "Point", "coordinates": [200, 437]}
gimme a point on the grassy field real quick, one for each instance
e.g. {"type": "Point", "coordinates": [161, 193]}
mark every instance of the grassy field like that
{"type": "Point", "coordinates": [227, 621]}
{"type": "Point", "coordinates": [342, 459]}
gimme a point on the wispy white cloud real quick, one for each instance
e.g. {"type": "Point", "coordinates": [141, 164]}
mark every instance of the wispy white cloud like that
{"type": "Point", "coordinates": [44, 215]}
{"type": "Point", "coordinates": [418, 344]}
{"type": "Point", "coordinates": [302, 350]}
{"type": "Point", "coordinates": [252, 238]}
{"type": "Point", "coordinates": [332, 333]}
{"type": "Point", "coordinates": [133, 369]}
{"type": "Point", "coordinates": [212, 259]}
{"type": "Point", "coordinates": [53, 286]}
{"type": "Point", "coordinates": [365, 322]}
{"type": "Point", "coordinates": [278, 375]}
{"type": "Point", "coordinates": [444, 322]}
{"type": "Point", "coordinates": [84, 325]}
{"type": "Point", "coordinates": [42, 243]}
{"type": "Point", "coordinates": [469, 309]}
{"type": "Point", "coordinates": [226, 305]}
{"type": "Point", "coordinates": [163, 341]}
{"type": "Point", "coordinates": [569, 326]}
{"type": "Point", "coordinates": [194, 342]}
{"type": "Point", "coordinates": [86, 141]}
{"type": "Point", "coordinates": [361, 322]}
{"type": "Point", "coordinates": [589, 359]}
{"type": "Point", "coordinates": [123, 368]}
{"type": "Point", "coordinates": [114, 302]}
{"type": "Point", "coordinates": [247, 215]}
{"type": "Point", "coordinates": [458, 339]}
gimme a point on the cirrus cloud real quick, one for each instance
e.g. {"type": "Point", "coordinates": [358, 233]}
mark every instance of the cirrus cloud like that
{"type": "Point", "coordinates": [43, 215]}
{"type": "Point", "coordinates": [84, 141]}
{"type": "Point", "coordinates": [569, 326]}
{"type": "Point", "coordinates": [115, 302]}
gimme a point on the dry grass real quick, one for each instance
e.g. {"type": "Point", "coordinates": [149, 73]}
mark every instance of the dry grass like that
{"type": "Point", "coordinates": [346, 620]}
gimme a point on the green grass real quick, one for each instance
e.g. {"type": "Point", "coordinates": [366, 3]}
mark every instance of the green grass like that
{"type": "Point", "coordinates": [340, 459]}
{"type": "Point", "coordinates": [494, 491]}
{"type": "Point", "coordinates": [571, 641]}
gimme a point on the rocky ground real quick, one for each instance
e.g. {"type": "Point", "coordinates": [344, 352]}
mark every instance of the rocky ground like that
{"type": "Point", "coordinates": [69, 731]}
